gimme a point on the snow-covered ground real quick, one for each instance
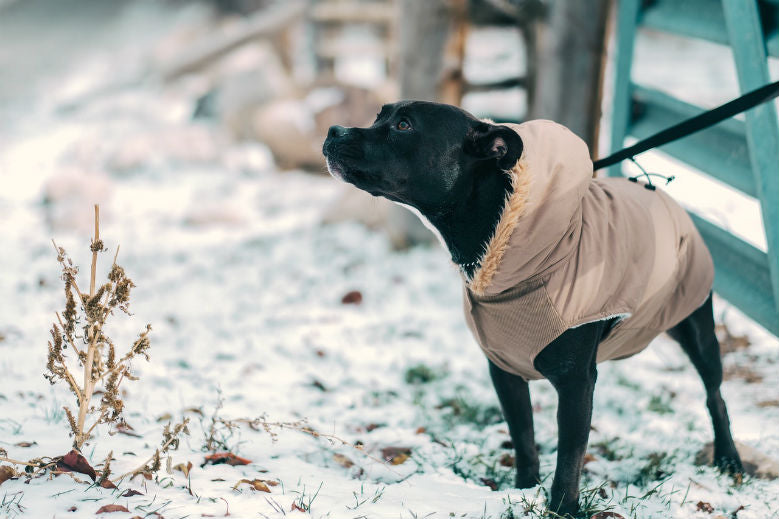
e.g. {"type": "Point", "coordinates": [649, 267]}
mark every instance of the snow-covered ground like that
{"type": "Point", "coordinates": [243, 288]}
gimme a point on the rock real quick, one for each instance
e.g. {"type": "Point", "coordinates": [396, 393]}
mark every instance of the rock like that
{"type": "Point", "coordinates": [246, 79]}
{"type": "Point", "coordinates": [756, 463]}
{"type": "Point", "coordinates": [287, 128]}
{"type": "Point", "coordinates": [294, 128]}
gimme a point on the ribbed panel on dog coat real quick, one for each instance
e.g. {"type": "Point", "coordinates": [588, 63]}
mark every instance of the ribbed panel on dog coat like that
{"type": "Point", "coordinates": [570, 249]}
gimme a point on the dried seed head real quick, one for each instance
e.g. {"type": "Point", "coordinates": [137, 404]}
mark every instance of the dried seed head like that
{"type": "Point", "coordinates": [106, 467]}
{"type": "Point", "coordinates": [71, 421]}
{"type": "Point", "coordinates": [155, 462]}
{"type": "Point", "coordinates": [96, 246]}
{"type": "Point", "coordinates": [142, 343]}
{"type": "Point", "coordinates": [94, 309]}
{"type": "Point", "coordinates": [70, 311]}
{"type": "Point", "coordinates": [116, 274]}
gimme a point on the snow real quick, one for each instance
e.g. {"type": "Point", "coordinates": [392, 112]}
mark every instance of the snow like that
{"type": "Point", "coordinates": [243, 288]}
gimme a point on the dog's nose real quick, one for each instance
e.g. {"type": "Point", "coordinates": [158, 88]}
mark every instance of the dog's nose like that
{"type": "Point", "coordinates": [336, 131]}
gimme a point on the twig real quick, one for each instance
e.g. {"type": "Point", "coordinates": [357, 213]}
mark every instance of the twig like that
{"type": "Point", "coordinates": [298, 426]}
{"type": "Point", "coordinates": [73, 280]}
{"type": "Point", "coordinates": [173, 438]}
{"type": "Point", "coordinates": [17, 462]}
{"type": "Point", "coordinates": [93, 334]}
{"type": "Point", "coordinates": [103, 414]}
{"type": "Point", "coordinates": [62, 325]}
{"type": "Point", "coordinates": [94, 252]}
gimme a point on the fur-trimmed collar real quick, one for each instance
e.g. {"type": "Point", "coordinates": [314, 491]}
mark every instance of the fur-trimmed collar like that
{"type": "Point", "coordinates": [495, 248]}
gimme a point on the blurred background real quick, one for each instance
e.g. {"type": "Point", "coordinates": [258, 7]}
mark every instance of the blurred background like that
{"type": "Point", "coordinates": [256, 84]}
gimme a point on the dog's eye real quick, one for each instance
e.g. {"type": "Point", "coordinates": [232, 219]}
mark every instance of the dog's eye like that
{"type": "Point", "coordinates": [403, 125]}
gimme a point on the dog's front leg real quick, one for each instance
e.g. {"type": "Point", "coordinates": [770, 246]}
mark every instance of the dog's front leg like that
{"type": "Point", "coordinates": [514, 396]}
{"type": "Point", "coordinates": [569, 364]}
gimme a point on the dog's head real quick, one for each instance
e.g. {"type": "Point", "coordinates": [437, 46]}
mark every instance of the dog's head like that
{"type": "Point", "coordinates": [426, 155]}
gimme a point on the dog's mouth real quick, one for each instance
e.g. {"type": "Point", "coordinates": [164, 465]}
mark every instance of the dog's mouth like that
{"type": "Point", "coordinates": [335, 169]}
{"type": "Point", "coordinates": [366, 181]}
{"type": "Point", "coordinates": [344, 163]}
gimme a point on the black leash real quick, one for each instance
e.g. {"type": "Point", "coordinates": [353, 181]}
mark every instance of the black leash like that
{"type": "Point", "coordinates": [694, 124]}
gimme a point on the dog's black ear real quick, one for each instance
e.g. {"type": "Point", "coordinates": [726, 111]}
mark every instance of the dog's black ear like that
{"type": "Point", "coordinates": [494, 142]}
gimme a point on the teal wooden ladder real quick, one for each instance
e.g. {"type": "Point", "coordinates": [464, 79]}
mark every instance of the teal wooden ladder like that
{"type": "Point", "coordinates": [744, 155]}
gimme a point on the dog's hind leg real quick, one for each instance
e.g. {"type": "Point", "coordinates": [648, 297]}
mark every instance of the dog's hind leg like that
{"type": "Point", "coordinates": [569, 364]}
{"type": "Point", "coordinates": [514, 396]}
{"type": "Point", "coordinates": [696, 336]}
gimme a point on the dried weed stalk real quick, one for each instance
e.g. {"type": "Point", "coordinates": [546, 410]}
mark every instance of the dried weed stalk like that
{"type": "Point", "coordinates": [80, 330]}
{"type": "Point", "coordinates": [171, 438]}
{"type": "Point", "coordinates": [273, 428]}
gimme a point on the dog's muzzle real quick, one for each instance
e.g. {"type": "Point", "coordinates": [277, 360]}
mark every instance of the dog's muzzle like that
{"type": "Point", "coordinates": [335, 150]}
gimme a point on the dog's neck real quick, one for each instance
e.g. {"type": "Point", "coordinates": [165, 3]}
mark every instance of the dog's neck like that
{"type": "Point", "coordinates": [467, 227]}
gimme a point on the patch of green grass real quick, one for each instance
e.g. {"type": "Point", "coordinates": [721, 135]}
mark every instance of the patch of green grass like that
{"type": "Point", "coordinates": [11, 505]}
{"type": "Point", "coordinates": [608, 449]}
{"type": "Point", "coordinates": [11, 425]}
{"type": "Point", "coordinates": [625, 382]}
{"type": "Point", "coordinates": [483, 468]}
{"type": "Point", "coordinates": [304, 501]}
{"type": "Point", "coordinates": [421, 374]}
{"type": "Point", "coordinates": [657, 468]}
{"type": "Point", "coordinates": [660, 405]}
{"type": "Point", "coordinates": [463, 410]}
{"type": "Point", "coordinates": [54, 413]}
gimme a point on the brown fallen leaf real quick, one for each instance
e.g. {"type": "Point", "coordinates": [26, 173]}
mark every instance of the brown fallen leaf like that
{"type": "Point", "coordinates": [746, 373]}
{"type": "Point", "coordinates": [6, 473]}
{"type": "Point", "coordinates": [421, 430]}
{"type": "Point", "coordinates": [489, 483]}
{"type": "Point", "coordinates": [164, 417]}
{"type": "Point", "coordinates": [126, 429]}
{"type": "Point", "coordinates": [342, 460]}
{"type": "Point", "coordinates": [130, 493]}
{"type": "Point", "coordinates": [72, 509]}
{"type": "Point", "coordinates": [768, 403]}
{"type": "Point", "coordinates": [296, 507]}
{"type": "Point", "coordinates": [257, 484]}
{"type": "Point", "coordinates": [107, 509]}
{"type": "Point", "coordinates": [606, 515]}
{"type": "Point", "coordinates": [183, 468]}
{"type": "Point", "coordinates": [507, 460]}
{"type": "Point", "coordinates": [589, 458]}
{"type": "Point", "coordinates": [703, 506]}
{"type": "Point", "coordinates": [353, 297]}
{"type": "Point", "coordinates": [319, 385]}
{"type": "Point", "coordinates": [225, 457]}
{"type": "Point", "coordinates": [107, 483]}
{"type": "Point", "coordinates": [396, 455]}
{"type": "Point", "coordinates": [74, 461]}
{"type": "Point", "coordinates": [728, 342]}
{"type": "Point", "coordinates": [25, 444]}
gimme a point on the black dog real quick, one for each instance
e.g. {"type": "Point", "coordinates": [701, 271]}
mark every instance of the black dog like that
{"type": "Point", "coordinates": [443, 162]}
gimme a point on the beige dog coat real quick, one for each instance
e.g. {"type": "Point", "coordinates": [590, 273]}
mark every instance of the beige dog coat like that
{"type": "Point", "coordinates": [570, 250]}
